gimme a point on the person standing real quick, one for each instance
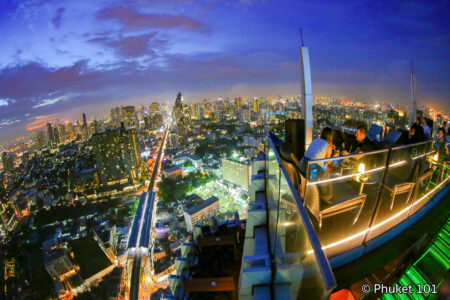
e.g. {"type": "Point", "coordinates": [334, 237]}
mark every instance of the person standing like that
{"type": "Point", "coordinates": [426, 128]}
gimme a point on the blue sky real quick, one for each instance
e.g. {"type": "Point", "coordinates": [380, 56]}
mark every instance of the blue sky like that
{"type": "Point", "coordinates": [60, 58]}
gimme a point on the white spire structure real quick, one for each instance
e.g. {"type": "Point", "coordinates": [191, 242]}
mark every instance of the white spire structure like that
{"type": "Point", "coordinates": [306, 92]}
{"type": "Point", "coordinates": [412, 103]}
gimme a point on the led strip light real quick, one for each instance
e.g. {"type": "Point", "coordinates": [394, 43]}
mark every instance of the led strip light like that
{"type": "Point", "coordinates": [349, 238]}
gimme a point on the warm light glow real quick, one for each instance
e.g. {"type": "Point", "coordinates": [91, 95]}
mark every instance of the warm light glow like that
{"type": "Point", "coordinates": [361, 168]}
{"type": "Point", "coordinates": [435, 157]}
{"type": "Point", "coordinates": [351, 175]}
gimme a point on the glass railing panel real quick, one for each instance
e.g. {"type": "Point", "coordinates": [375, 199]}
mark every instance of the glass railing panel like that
{"type": "Point", "coordinates": [299, 259]}
{"type": "Point", "coordinates": [298, 255]}
{"type": "Point", "coordinates": [425, 181]}
{"type": "Point", "coordinates": [340, 196]}
{"type": "Point", "coordinates": [272, 189]}
{"type": "Point", "coordinates": [398, 193]}
{"type": "Point", "coordinates": [275, 121]}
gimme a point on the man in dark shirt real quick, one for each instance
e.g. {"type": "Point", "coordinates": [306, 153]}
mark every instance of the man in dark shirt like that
{"type": "Point", "coordinates": [416, 133]}
{"type": "Point", "coordinates": [362, 143]}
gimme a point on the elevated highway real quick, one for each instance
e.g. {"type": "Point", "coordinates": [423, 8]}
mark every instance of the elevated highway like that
{"type": "Point", "coordinates": [140, 237]}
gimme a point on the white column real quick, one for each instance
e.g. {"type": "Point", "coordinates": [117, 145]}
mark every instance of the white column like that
{"type": "Point", "coordinates": [306, 95]}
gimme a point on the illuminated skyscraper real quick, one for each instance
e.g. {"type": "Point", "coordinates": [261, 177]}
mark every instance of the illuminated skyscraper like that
{"type": "Point", "coordinates": [180, 118]}
{"type": "Point", "coordinates": [117, 154]}
{"type": "Point", "coordinates": [255, 105]}
{"type": "Point", "coordinates": [155, 107]}
{"type": "Point", "coordinates": [62, 133]}
{"type": "Point", "coordinates": [128, 116]}
{"type": "Point", "coordinates": [70, 132]}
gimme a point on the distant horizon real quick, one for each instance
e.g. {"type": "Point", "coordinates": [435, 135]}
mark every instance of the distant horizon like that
{"type": "Point", "coordinates": [53, 119]}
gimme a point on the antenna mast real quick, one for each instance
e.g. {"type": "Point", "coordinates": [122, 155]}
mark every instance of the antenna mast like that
{"type": "Point", "coordinates": [412, 103]}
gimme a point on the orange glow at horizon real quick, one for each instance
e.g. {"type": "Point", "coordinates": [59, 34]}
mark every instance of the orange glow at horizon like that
{"type": "Point", "coordinates": [41, 121]}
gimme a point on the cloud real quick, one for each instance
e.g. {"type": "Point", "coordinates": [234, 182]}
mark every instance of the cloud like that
{"type": "Point", "coordinates": [8, 122]}
{"type": "Point", "coordinates": [6, 102]}
{"type": "Point", "coordinates": [41, 121]}
{"type": "Point", "coordinates": [132, 46]}
{"type": "Point", "coordinates": [37, 80]}
{"type": "Point", "coordinates": [46, 102]}
{"type": "Point", "coordinates": [131, 19]}
{"type": "Point", "coordinates": [57, 18]}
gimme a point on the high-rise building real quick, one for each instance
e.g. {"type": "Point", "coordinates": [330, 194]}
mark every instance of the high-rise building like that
{"type": "Point", "coordinates": [39, 142]}
{"type": "Point", "coordinates": [236, 172]}
{"type": "Point", "coordinates": [84, 128]}
{"type": "Point", "coordinates": [179, 100]}
{"type": "Point", "coordinates": [8, 161]}
{"type": "Point", "coordinates": [180, 118]}
{"type": "Point", "coordinates": [155, 107]}
{"type": "Point", "coordinates": [115, 116]}
{"type": "Point", "coordinates": [238, 102]}
{"type": "Point", "coordinates": [255, 105]}
{"type": "Point", "coordinates": [56, 135]}
{"type": "Point", "coordinates": [62, 133]}
{"type": "Point", "coordinates": [70, 132]}
{"type": "Point", "coordinates": [117, 154]}
{"type": "Point", "coordinates": [128, 116]}
{"type": "Point", "coordinates": [50, 134]}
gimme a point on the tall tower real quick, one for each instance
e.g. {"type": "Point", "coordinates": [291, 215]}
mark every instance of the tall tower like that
{"type": "Point", "coordinates": [179, 100]}
{"type": "Point", "coordinates": [412, 103]}
{"type": "Point", "coordinates": [50, 134]}
{"type": "Point", "coordinates": [306, 93]}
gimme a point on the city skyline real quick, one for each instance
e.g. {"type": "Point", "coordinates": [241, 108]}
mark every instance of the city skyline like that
{"type": "Point", "coordinates": [54, 66]}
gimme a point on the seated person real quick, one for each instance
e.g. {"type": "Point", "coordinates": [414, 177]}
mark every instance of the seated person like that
{"type": "Point", "coordinates": [320, 148]}
{"type": "Point", "coordinates": [441, 146]}
{"type": "Point", "coordinates": [362, 143]}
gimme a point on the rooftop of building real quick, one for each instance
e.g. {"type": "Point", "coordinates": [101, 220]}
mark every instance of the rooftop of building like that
{"type": "Point", "coordinates": [204, 204]}
{"type": "Point", "coordinates": [53, 255]}
{"type": "Point", "coordinates": [89, 256]}
{"type": "Point", "coordinates": [172, 169]}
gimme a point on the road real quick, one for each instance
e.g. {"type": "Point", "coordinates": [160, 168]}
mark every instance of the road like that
{"type": "Point", "coordinates": [142, 223]}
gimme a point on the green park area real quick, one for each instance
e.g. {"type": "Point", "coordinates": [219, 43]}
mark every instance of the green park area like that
{"type": "Point", "coordinates": [176, 188]}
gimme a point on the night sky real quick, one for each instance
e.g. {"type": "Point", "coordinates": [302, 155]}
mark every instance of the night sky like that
{"type": "Point", "coordinates": [60, 58]}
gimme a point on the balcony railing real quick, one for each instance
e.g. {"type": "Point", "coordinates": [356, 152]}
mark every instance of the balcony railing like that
{"type": "Point", "coordinates": [351, 200]}
{"type": "Point", "coordinates": [298, 256]}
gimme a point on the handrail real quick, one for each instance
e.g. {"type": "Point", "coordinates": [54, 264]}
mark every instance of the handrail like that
{"type": "Point", "coordinates": [348, 156]}
{"type": "Point", "coordinates": [324, 266]}
{"type": "Point", "coordinates": [410, 145]}
{"type": "Point", "coordinates": [324, 160]}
